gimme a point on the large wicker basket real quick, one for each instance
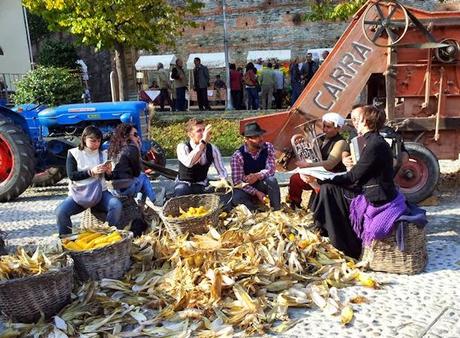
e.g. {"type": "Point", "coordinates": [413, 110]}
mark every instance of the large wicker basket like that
{"type": "Point", "coordinates": [192, 225]}
{"type": "Point", "coordinates": [384, 255]}
{"type": "Point", "coordinates": [24, 299]}
{"type": "Point", "coordinates": [111, 261]}
{"type": "Point", "coordinates": [130, 212]}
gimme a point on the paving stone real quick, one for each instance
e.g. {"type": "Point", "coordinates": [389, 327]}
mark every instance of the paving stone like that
{"type": "Point", "coordinates": [405, 306]}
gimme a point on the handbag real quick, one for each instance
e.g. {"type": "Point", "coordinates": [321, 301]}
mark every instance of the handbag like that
{"type": "Point", "coordinates": [87, 196]}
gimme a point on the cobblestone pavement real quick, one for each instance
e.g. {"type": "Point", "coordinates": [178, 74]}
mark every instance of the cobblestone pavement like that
{"type": "Point", "coordinates": [425, 305]}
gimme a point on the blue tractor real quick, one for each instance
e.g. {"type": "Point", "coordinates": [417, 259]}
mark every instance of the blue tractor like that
{"type": "Point", "coordinates": [34, 139]}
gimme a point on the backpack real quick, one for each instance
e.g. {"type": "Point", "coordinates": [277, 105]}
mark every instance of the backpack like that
{"type": "Point", "coordinates": [175, 74]}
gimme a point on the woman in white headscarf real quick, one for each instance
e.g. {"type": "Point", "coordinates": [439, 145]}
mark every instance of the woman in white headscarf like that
{"type": "Point", "coordinates": [332, 145]}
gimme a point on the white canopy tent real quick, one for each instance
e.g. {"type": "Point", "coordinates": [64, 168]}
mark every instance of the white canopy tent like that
{"type": "Point", "coordinates": [280, 54]}
{"type": "Point", "coordinates": [210, 60]}
{"type": "Point", "coordinates": [316, 53]}
{"type": "Point", "coordinates": [150, 62]}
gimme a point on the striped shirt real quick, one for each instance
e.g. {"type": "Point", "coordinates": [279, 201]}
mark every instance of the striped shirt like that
{"type": "Point", "coordinates": [237, 165]}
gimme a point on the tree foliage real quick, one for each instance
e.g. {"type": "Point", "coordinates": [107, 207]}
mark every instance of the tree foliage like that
{"type": "Point", "coordinates": [38, 28]}
{"type": "Point", "coordinates": [49, 85]}
{"type": "Point", "coordinates": [331, 10]}
{"type": "Point", "coordinates": [58, 54]}
{"type": "Point", "coordinates": [141, 24]}
{"type": "Point", "coordinates": [118, 24]}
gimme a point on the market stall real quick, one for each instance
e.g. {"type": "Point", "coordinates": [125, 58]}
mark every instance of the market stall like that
{"type": "Point", "coordinates": [212, 61]}
{"type": "Point", "coordinates": [276, 55]}
{"type": "Point", "coordinates": [146, 65]}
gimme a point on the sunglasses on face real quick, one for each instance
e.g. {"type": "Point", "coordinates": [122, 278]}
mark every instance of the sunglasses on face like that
{"type": "Point", "coordinates": [135, 134]}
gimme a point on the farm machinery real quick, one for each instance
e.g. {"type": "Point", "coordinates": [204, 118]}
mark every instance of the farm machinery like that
{"type": "Point", "coordinates": [34, 139]}
{"type": "Point", "coordinates": [406, 58]}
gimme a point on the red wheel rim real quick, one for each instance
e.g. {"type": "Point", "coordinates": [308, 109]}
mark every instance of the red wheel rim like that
{"type": "Point", "coordinates": [413, 175]}
{"type": "Point", "coordinates": [6, 160]}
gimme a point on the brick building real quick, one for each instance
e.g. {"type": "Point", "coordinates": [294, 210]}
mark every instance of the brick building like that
{"type": "Point", "coordinates": [256, 25]}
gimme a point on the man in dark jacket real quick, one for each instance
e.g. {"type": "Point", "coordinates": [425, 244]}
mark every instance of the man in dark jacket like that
{"type": "Point", "coordinates": [201, 83]}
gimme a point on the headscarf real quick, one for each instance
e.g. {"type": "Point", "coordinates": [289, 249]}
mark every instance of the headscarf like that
{"type": "Point", "coordinates": [335, 118]}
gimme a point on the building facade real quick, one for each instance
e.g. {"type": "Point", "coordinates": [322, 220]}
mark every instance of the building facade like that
{"type": "Point", "coordinates": [14, 42]}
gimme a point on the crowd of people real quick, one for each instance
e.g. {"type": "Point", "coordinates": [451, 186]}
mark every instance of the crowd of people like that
{"type": "Point", "coordinates": [359, 204]}
{"type": "Point", "coordinates": [259, 85]}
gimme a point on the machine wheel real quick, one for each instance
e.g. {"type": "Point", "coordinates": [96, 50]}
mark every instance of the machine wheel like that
{"type": "Point", "coordinates": [48, 177]}
{"type": "Point", "coordinates": [419, 176]}
{"type": "Point", "coordinates": [378, 21]}
{"type": "Point", "coordinates": [157, 155]}
{"type": "Point", "coordinates": [17, 160]}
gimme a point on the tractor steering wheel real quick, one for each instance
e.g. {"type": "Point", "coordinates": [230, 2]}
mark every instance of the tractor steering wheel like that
{"type": "Point", "coordinates": [388, 19]}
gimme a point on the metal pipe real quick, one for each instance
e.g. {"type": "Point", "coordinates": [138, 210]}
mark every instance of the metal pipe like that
{"type": "Point", "coordinates": [227, 68]}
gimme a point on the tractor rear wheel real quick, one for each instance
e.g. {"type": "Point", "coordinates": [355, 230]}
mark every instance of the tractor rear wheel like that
{"type": "Point", "coordinates": [418, 177]}
{"type": "Point", "coordinates": [17, 160]}
{"type": "Point", "coordinates": [48, 177]}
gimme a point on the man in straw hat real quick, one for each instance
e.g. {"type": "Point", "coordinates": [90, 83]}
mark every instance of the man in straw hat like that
{"type": "Point", "coordinates": [253, 165]}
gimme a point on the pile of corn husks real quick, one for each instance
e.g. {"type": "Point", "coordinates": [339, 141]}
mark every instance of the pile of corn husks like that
{"type": "Point", "coordinates": [239, 278]}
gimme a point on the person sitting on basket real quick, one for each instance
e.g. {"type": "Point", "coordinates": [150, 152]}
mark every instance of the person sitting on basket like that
{"type": "Point", "coordinates": [253, 165]}
{"type": "Point", "coordinates": [379, 204]}
{"type": "Point", "coordinates": [332, 145]}
{"type": "Point", "coordinates": [87, 169]}
{"type": "Point", "coordinates": [128, 179]}
{"type": "Point", "coordinates": [195, 157]}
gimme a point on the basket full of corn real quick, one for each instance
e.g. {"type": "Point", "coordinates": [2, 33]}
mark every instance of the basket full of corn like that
{"type": "Point", "coordinates": [191, 214]}
{"type": "Point", "coordinates": [100, 253]}
{"type": "Point", "coordinates": [34, 284]}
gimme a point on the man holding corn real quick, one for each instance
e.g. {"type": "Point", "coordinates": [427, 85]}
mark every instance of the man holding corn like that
{"type": "Point", "coordinates": [253, 165]}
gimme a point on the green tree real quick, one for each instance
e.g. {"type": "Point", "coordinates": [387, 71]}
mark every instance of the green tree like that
{"type": "Point", "coordinates": [38, 28]}
{"type": "Point", "coordinates": [58, 54]}
{"type": "Point", "coordinates": [49, 85]}
{"type": "Point", "coordinates": [118, 24]}
{"type": "Point", "coordinates": [333, 10]}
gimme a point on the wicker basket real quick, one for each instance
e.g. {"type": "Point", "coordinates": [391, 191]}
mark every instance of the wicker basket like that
{"type": "Point", "coordinates": [111, 261]}
{"type": "Point", "coordinates": [384, 255]}
{"type": "Point", "coordinates": [129, 212]}
{"type": "Point", "coordinates": [24, 299]}
{"type": "Point", "coordinates": [192, 225]}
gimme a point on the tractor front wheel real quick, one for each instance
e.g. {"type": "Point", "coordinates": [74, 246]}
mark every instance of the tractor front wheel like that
{"type": "Point", "coordinates": [17, 160]}
{"type": "Point", "coordinates": [418, 177]}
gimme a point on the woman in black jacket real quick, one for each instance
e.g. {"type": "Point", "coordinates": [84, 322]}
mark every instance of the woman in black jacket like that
{"type": "Point", "coordinates": [128, 179]}
{"type": "Point", "coordinates": [370, 179]}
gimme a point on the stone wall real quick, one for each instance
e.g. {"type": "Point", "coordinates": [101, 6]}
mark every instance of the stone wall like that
{"type": "Point", "coordinates": [262, 24]}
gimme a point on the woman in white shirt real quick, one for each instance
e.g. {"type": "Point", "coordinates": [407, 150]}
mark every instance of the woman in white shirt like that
{"type": "Point", "coordinates": [84, 165]}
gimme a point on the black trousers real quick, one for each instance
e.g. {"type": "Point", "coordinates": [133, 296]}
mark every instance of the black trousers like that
{"type": "Point", "coordinates": [202, 97]}
{"type": "Point", "coordinates": [236, 99]}
{"type": "Point", "coordinates": [331, 210]}
{"type": "Point", "coordinates": [164, 96]}
{"type": "Point", "coordinates": [278, 94]}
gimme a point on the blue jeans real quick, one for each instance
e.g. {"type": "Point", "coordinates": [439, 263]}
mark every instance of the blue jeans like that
{"type": "Point", "coordinates": [269, 186]}
{"type": "Point", "coordinates": [181, 189]}
{"type": "Point", "coordinates": [141, 185]}
{"type": "Point", "coordinates": [108, 204]}
{"type": "Point", "coordinates": [180, 99]}
{"type": "Point", "coordinates": [253, 98]}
